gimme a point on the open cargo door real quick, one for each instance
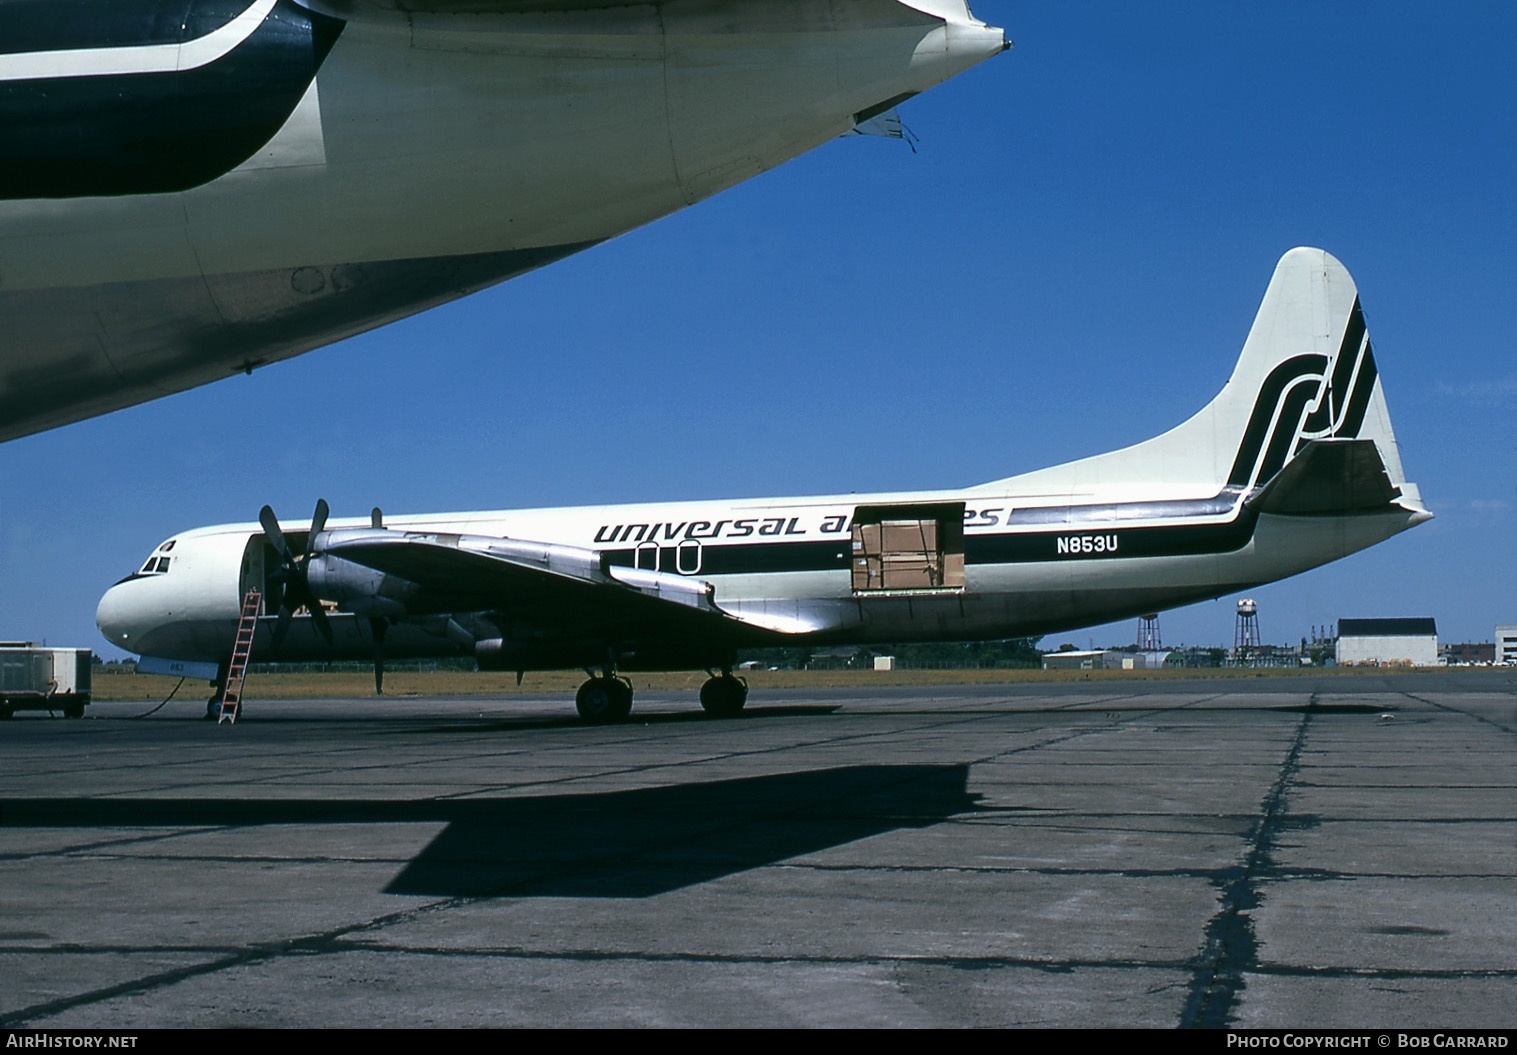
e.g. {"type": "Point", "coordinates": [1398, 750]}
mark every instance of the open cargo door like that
{"type": "Point", "coordinates": [908, 547]}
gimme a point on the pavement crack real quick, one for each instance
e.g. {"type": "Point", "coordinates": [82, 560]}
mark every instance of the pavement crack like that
{"type": "Point", "coordinates": [1231, 948]}
{"type": "Point", "coordinates": [1463, 714]}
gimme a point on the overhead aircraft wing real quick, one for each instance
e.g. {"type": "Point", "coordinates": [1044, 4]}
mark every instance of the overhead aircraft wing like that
{"type": "Point", "coordinates": [546, 585]}
{"type": "Point", "coordinates": [347, 8]}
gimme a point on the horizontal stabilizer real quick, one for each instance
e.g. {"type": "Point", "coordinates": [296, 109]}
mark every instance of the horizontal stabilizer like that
{"type": "Point", "coordinates": [1327, 477]}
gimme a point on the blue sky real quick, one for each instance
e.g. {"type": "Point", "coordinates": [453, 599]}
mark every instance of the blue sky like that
{"type": "Point", "coordinates": [1068, 264]}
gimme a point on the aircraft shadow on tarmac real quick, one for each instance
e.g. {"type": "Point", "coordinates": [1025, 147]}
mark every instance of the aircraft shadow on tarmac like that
{"type": "Point", "coordinates": [621, 844]}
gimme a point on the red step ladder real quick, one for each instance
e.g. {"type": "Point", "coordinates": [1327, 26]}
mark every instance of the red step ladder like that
{"type": "Point", "coordinates": [237, 669]}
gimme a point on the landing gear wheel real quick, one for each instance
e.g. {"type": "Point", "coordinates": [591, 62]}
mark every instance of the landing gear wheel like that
{"type": "Point", "coordinates": [5, 710]}
{"type": "Point", "coordinates": [724, 697]}
{"type": "Point", "coordinates": [213, 709]}
{"type": "Point", "coordinates": [601, 701]}
{"type": "Point", "coordinates": [73, 710]}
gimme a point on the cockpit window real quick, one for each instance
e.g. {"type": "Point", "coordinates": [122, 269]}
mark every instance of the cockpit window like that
{"type": "Point", "coordinates": [155, 565]}
{"type": "Point", "coordinates": [167, 546]}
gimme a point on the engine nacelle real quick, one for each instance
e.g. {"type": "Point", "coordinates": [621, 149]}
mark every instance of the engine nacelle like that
{"type": "Point", "coordinates": [354, 587]}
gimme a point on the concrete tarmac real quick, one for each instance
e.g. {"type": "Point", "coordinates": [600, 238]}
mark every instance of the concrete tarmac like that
{"type": "Point", "coordinates": [1273, 852]}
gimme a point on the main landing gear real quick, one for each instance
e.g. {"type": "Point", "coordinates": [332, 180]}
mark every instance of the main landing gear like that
{"type": "Point", "coordinates": [605, 698]}
{"type": "Point", "coordinates": [724, 696]}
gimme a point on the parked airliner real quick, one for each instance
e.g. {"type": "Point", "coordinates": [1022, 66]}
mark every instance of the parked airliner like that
{"type": "Point", "coordinates": [1292, 465]}
{"type": "Point", "coordinates": [191, 189]}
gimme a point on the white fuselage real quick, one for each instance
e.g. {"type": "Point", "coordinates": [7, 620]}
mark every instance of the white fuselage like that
{"type": "Point", "coordinates": [1033, 565]}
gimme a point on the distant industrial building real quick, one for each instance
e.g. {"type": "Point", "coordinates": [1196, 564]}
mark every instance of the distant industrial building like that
{"type": "Point", "coordinates": [1506, 645]}
{"type": "Point", "coordinates": [1388, 642]}
{"type": "Point", "coordinates": [1104, 659]}
{"type": "Point", "coordinates": [1468, 654]}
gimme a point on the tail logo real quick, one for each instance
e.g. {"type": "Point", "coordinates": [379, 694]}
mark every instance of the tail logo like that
{"type": "Point", "coordinates": [1307, 397]}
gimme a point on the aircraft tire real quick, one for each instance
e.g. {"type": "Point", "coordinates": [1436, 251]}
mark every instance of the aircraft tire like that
{"type": "Point", "coordinates": [6, 710]}
{"type": "Point", "coordinates": [724, 697]}
{"type": "Point", "coordinates": [601, 701]}
{"type": "Point", "coordinates": [213, 709]}
{"type": "Point", "coordinates": [73, 710]}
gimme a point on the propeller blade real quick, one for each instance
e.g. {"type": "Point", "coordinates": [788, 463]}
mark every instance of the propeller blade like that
{"type": "Point", "coordinates": [318, 522]}
{"type": "Point", "coordinates": [271, 531]}
{"type": "Point", "coordinates": [319, 617]}
{"type": "Point", "coordinates": [282, 625]}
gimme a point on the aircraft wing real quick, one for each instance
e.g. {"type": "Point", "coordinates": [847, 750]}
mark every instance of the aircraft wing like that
{"type": "Point", "coordinates": [547, 586]}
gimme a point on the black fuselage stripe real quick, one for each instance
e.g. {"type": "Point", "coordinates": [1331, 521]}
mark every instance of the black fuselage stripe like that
{"type": "Point", "coordinates": [1172, 540]}
{"type": "Point", "coordinates": [745, 558]}
{"type": "Point", "coordinates": [1023, 547]}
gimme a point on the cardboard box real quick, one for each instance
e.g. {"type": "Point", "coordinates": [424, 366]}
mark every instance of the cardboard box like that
{"type": "Point", "coordinates": [911, 577]}
{"type": "Point", "coordinates": [910, 536]}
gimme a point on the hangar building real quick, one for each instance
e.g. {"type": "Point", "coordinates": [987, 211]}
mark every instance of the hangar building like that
{"type": "Point", "coordinates": [1387, 642]}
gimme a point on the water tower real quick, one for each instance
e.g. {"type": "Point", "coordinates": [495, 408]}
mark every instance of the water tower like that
{"type": "Point", "coordinates": [1246, 634]}
{"type": "Point", "coordinates": [1148, 633]}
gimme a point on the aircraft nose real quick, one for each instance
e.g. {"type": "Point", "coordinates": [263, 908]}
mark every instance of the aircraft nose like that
{"type": "Point", "coordinates": [115, 616]}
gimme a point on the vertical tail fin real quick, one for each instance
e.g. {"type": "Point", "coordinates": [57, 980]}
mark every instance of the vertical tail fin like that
{"type": "Point", "coordinates": [1306, 373]}
{"type": "Point", "coordinates": [1319, 382]}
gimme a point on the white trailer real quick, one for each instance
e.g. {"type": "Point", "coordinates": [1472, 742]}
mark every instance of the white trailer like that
{"type": "Point", "coordinates": [35, 678]}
